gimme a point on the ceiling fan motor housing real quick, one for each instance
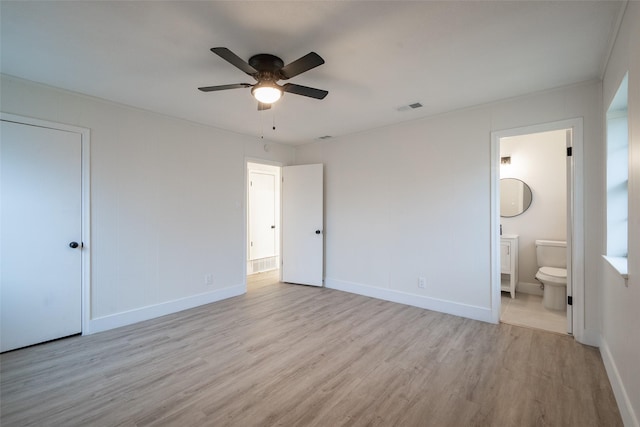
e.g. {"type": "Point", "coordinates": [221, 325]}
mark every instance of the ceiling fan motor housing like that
{"type": "Point", "coordinates": [266, 63]}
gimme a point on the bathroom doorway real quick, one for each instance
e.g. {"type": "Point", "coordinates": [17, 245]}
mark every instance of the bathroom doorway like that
{"type": "Point", "coordinates": [543, 160]}
{"type": "Point", "coordinates": [263, 222]}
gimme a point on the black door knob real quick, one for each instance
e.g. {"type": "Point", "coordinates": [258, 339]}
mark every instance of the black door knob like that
{"type": "Point", "coordinates": [318, 231]}
{"type": "Point", "coordinates": [73, 245]}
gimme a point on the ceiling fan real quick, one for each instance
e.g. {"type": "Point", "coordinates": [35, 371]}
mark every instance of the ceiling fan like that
{"type": "Point", "coordinates": [267, 70]}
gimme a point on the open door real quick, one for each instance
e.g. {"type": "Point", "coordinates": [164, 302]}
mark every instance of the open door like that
{"type": "Point", "coordinates": [570, 216]}
{"type": "Point", "coordinates": [302, 221]}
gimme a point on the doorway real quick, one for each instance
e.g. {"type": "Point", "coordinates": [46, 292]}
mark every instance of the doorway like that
{"type": "Point", "coordinates": [263, 221]}
{"type": "Point", "coordinates": [566, 227]}
{"type": "Point", "coordinates": [285, 222]}
{"type": "Point", "coordinates": [533, 201]}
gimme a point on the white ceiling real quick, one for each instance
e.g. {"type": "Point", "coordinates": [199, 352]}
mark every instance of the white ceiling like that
{"type": "Point", "coordinates": [379, 55]}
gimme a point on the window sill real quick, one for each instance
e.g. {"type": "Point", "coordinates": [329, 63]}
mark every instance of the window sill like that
{"type": "Point", "coordinates": [619, 264]}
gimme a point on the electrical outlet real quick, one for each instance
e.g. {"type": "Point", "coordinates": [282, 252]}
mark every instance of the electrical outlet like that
{"type": "Point", "coordinates": [208, 279]}
{"type": "Point", "coordinates": [422, 282]}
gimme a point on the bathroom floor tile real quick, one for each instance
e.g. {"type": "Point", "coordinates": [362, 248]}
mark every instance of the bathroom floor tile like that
{"type": "Point", "coordinates": [527, 310]}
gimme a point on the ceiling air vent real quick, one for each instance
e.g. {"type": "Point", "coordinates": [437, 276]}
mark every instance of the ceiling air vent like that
{"type": "Point", "coordinates": [410, 107]}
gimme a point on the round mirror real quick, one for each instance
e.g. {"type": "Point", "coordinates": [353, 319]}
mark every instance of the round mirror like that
{"type": "Point", "coordinates": [515, 197]}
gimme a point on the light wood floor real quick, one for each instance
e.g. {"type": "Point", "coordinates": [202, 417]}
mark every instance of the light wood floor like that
{"type": "Point", "coordinates": [292, 355]}
{"type": "Point", "coordinates": [528, 310]}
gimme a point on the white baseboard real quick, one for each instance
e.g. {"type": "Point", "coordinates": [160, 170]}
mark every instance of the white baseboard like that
{"type": "Point", "coordinates": [152, 311]}
{"type": "Point", "coordinates": [629, 417]}
{"type": "Point", "coordinates": [529, 288]}
{"type": "Point", "coordinates": [587, 336]}
{"type": "Point", "coordinates": [435, 304]}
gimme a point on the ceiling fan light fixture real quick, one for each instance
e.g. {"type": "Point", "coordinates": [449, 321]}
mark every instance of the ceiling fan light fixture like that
{"type": "Point", "coordinates": [266, 93]}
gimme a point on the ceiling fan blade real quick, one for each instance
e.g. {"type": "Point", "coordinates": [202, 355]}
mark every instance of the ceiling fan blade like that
{"type": "Point", "coordinates": [224, 87]}
{"type": "Point", "coordinates": [263, 106]}
{"type": "Point", "coordinates": [234, 59]}
{"type": "Point", "coordinates": [307, 62]}
{"type": "Point", "coordinates": [305, 91]}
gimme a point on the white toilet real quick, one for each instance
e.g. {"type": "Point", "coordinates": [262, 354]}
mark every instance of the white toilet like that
{"type": "Point", "coordinates": [552, 272]}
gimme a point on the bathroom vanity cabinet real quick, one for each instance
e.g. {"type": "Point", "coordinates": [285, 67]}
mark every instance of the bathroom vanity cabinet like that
{"type": "Point", "coordinates": [509, 263]}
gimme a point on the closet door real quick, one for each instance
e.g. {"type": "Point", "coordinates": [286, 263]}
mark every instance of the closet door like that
{"type": "Point", "coordinates": [302, 224]}
{"type": "Point", "coordinates": [40, 231]}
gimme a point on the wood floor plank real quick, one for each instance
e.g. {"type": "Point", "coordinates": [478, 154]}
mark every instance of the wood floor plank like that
{"type": "Point", "coordinates": [292, 355]}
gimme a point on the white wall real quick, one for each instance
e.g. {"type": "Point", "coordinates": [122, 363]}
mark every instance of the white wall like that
{"type": "Point", "coordinates": [414, 200]}
{"type": "Point", "coordinates": [539, 160]}
{"type": "Point", "coordinates": [167, 203]}
{"type": "Point", "coordinates": [620, 320]}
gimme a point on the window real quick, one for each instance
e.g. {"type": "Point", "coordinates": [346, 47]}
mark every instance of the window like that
{"type": "Point", "coordinates": [618, 179]}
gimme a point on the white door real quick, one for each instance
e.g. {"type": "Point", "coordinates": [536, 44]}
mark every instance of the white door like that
{"type": "Point", "coordinates": [302, 220]}
{"type": "Point", "coordinates": [41, 208]}
{"type": "Point", "coordinates": [570, 181]}
{"type": "Point", "coordinates": [262, 215]}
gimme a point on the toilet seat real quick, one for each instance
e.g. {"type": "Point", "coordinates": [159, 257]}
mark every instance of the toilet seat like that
{"type": "Point", "coordinates": [552, 275]}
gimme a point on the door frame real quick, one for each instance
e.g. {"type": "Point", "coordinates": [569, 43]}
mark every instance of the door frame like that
{"type": "Point", "coordinates": [85, 136]}
{"type": "Point", "coordinates": [245, 214]}
{"type": "Point", "coordinates": [575, 219]}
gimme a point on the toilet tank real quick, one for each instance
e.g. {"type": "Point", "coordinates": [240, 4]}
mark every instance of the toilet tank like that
{"type": "Point", "coordinates": [551, 253]}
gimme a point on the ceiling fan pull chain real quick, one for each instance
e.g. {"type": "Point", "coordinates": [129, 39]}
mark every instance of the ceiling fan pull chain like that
{"type": "Point", "coordinates": [261, 127]}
